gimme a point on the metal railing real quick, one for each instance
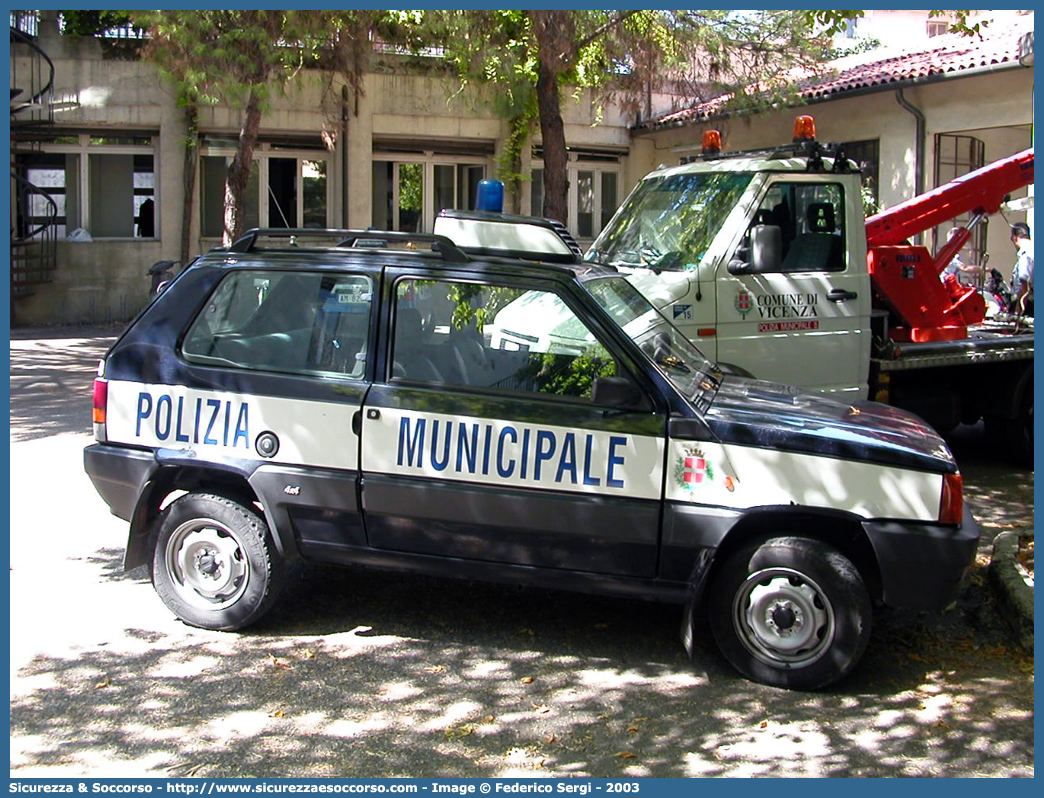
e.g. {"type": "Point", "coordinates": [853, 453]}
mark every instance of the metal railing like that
{"type": "Point", "coordinates": [34, 248]}
{"type": "Point", "coordinates": [32, 83]}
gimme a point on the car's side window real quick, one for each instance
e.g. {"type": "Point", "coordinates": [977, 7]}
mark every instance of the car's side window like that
{"type": "Point", "coordinates": [295, 322]}
{"type": "Point", "coordinates": [494, 337]}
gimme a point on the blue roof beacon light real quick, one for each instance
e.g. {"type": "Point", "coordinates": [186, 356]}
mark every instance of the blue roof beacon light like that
{"type": "Point", "coordinates": [490, 196]}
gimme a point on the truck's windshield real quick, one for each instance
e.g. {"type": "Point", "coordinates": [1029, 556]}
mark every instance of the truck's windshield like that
{"type": "Point", "coordinates": [682, 363]}
{"type": "Point", "coordinates": [668, 222]}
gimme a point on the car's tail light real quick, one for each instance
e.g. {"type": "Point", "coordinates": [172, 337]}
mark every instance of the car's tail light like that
{"type": "Point", "coordinates": [101, 399]}
{"type": "Point", "coordinates": [951, 503]}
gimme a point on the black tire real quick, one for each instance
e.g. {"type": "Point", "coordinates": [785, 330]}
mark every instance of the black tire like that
{"type": "Point", "coordinates": [1020, 432]}
{"type": "Point", "coordinates": [213, 564]}
{"type": "Point", "coordinates": [790, 612]}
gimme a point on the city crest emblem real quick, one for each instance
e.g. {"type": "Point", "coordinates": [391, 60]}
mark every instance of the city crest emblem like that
{"type": "Point", "coordinates": [692, 469]}
{"type": "Point", "coordinates": [744, 303]}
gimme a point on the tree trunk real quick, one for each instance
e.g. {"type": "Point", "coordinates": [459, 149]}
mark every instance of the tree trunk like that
{"type": "Point", "coordinates": [191, 167]}
{"type": "Point", "coordinates": [552, 134]}
{"type": "Point", "coordinates": [553, 32]}
{"type": "Point", "coordinates": [239, 172]}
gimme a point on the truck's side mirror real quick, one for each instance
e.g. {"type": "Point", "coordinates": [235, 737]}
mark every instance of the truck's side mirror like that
{"type": "Point", "coordinates": [615, 392]}
{"type": "Point", "coordinates": [766, 245]}
{"type": "Point", "coordinates": [764, 253]}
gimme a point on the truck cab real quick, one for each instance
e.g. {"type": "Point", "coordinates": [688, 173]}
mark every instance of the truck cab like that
{"type": "Point", "coordinates": [765, 261]}
{"type": "Point", "coordinates": [760, 262]}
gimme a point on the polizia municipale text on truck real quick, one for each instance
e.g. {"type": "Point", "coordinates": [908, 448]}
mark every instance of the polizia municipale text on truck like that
{"type": "Point", "coordinates": [396, 401]}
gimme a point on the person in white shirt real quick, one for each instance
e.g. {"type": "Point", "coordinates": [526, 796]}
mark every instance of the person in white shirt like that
{"type": "Point", "coordinates": [1022, 276]}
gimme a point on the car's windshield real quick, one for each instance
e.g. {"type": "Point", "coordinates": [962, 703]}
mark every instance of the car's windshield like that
{"type": "Point", "coordinates": [668, 222]}
{"type": "Point", "coordinates": [682, 363]}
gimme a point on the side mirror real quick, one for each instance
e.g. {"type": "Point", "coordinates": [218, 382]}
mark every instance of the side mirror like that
{"type": "Point", "coordinates": [763, 254]}
{"type": "Point", "coordinates": [615, 392]}
{"type": "Point", "coordinates": [766, 245]}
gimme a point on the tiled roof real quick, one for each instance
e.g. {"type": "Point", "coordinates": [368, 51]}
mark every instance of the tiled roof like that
{"type": "Point", "coordinates": [872, 71]}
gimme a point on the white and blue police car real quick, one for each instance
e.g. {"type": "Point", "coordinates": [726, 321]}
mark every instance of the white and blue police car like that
{"type": "Point", "coordinates": [392, 400]}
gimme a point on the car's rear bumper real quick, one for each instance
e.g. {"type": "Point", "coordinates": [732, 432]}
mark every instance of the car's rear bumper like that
{"type": "Point", "coordinates": [118, 474]}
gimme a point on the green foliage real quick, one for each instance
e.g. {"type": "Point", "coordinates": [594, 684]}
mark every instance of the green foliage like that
{"type": "Point", "coordinates": [465, 310]}
{"type": "Point", "coordinates": [832, 22]}
{"type": "Point", "coordinates": [579, 378]}
{"type": "Point", "coordinates": [566, 375]}
{"type": "Point", "coordinates": [862, 46]}
{"type": "Point", "coordinates": [620, 55]}
{"type": "Point", "coordinates": [87, 22]}
{"type": "Point", "coordinates": [509, 162]}
{"type": "Point", "coordinates": [411, 186]}
{"type": "Point", "coordinates": [869, 201]}
{"type": "Point", "coordinates": [960, 23]}
{"type": "Point", "coordinates": [228, 56]}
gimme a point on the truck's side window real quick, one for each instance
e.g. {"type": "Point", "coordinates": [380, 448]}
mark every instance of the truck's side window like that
{"type": "Point", "coordinates": [296, 323]}
{"type": "Point", "coordinates": [493, 337]}
{"type": "Point", "coordinates": [811, 220]}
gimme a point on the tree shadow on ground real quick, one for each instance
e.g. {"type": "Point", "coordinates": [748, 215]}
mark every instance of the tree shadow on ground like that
{"type": "Point", "coordinates": [364, 674]}
{"type": "Point", "coordinates": [51, 383]}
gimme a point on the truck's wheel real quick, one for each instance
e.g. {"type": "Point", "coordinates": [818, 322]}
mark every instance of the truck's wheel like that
{"type": "Point", "coordinates": [1020, 432]}
{"type": "Point", "coordinates": [790, 612]}
{"type": "Point", "coordinates": [213, 564]}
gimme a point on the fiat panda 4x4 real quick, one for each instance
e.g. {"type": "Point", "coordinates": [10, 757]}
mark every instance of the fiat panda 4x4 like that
{"type": "Point", "coordinates": [391, 400]}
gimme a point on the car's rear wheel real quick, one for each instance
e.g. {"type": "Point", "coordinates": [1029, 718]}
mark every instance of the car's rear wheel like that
{"type": "Point", "coordinates": [213, 563]}
{"type": "Point", "coordinates": [790, 612]}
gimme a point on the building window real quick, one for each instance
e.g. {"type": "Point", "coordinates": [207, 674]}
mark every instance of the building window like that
{"type": "Point", "coordinates": [936, 28]}
{"type": "Point", "coordinates": [103, 184]}
{"type": "Point", "coordinates": [288, 186]}
{"type": "Point", "coordinates": [866, 154]}
{"type": "Point", "coordinates": [409, 193]}
{"type": "Point", "coordinates": [594, 192]}
{"type": "Point", "coordinates": [956, 156]}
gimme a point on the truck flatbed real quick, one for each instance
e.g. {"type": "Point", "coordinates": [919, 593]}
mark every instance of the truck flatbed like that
{"type": "Point", "coordinates": [991, 342]}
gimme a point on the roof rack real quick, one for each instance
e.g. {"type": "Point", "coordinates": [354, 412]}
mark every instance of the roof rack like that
{"type": "Point", "coordinates": [813, 150]}
{"type": "Point", "coordinates": [449, 251]}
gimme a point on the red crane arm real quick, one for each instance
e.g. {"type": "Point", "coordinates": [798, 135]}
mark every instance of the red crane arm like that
{"type": "Point", "coordinates": [982, 190]}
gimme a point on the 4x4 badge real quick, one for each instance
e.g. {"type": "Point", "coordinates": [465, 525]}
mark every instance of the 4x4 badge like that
{"type": "Point", "coordinates": [692, 469]}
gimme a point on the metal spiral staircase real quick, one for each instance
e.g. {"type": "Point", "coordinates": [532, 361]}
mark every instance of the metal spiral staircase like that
{"type": "Point", "coordinates": [34, 213]}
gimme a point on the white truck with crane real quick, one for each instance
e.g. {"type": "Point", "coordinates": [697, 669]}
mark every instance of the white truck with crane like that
{"type": "Point", "coordinates": [765, 261]}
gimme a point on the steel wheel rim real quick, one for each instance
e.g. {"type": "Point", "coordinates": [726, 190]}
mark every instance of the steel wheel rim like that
{"type": "Point", "coordinates": [783, 618]}
{"type": "Point", "coordinates": [206, 564]}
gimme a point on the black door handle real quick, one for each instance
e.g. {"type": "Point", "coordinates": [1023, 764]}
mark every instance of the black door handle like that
{"type": "Point", "coordinates": [840, 295]}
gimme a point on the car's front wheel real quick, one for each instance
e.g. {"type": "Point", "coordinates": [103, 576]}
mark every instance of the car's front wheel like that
{"type": "Point", "coordinates": [213, 564]}
{"type": "Point", "coordinates": [791, 612]}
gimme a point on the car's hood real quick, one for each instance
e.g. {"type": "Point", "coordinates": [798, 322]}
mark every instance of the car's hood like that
{"type": "Point", "coordinates": [758, 413]}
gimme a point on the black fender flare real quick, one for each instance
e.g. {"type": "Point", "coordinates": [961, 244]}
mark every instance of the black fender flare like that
{"type": "Point", "coordinates": [176, 470]}
{"type": "Point", "coordinates": [842, 529]}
